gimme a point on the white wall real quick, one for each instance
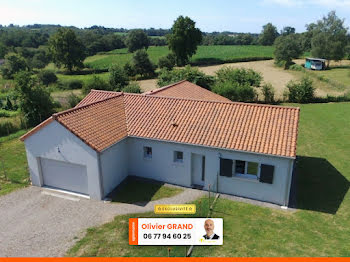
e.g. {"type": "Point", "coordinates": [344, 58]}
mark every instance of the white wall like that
{"type": "Point", "coordinates": [45, 143]}
{"type": "Point", "coordinates": [161, 167]}
{"type": "Point", "coordinates": [114, 165]}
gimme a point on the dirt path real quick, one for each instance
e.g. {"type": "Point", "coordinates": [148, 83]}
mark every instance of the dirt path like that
{"type": "Point", "coordinates": [276, 76]}
{"type": "Point", "coordinates": [271, 74]}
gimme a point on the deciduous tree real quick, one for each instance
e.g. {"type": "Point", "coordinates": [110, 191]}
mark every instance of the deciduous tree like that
{"type": "Point", "coordinates": [66, 49]}
{"type": "Point", "coordinates": [184, 39]}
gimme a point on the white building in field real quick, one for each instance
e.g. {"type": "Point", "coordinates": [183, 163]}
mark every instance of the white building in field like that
{"type": "Point", "coordinates": [180, 134]}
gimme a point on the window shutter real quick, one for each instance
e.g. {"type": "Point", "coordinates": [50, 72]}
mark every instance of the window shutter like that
{"type": "Point", "coordinates": [226, 167]}
{"type": "Point", "coordinates": [266, 174]}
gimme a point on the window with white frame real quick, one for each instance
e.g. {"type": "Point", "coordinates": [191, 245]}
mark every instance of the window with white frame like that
{"type": "Point", "coordinates": [178, 156]}
{"type": "Point", "coordinates": [147, 152]}
{"type": "Point", "coordinates": [246, 169]}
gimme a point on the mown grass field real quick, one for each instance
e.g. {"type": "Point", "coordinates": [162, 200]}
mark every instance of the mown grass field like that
{"type": "Point", "coordinates": [147, 191]}
{"type": "Point", "coordinates": [321, 226]}
{"type": "Point", "coordinates": [204, 55]}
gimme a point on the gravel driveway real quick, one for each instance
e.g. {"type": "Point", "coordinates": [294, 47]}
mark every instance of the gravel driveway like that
{"type": "Point", "coordinates": [39, 222]}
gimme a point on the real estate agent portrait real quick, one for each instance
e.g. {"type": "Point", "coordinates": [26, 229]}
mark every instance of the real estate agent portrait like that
{"type": "Point", "coordinates": [209, 229]}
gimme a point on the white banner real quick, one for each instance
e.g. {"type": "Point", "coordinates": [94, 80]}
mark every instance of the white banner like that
{"type": "Point", "coordinates": [175, 231]}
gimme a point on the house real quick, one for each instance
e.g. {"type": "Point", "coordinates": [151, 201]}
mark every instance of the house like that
{"type": "Point", "coordinates": [189, 139]}
{"type": "Point", "coordinates": [315, 63]}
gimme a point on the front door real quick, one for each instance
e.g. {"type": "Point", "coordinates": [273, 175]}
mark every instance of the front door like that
{"type": "Point", "coordinates": [198, 169]}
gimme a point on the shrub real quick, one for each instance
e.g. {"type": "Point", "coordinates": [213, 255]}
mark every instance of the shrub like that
{"type": "Point", "coordinates": [36, 104]}
{"type": "Point", "coordinates": [47, 77]}
{"type": "Point", "coordinates": [188, 73]}
{"type": "Point", "coordinates": [241, 76]}
{"type": "Point", "coordinates": [73, 100]}
{"type": "Point", "coordinates": [129, 69]}
{"type": "Point", "coordinates": [302, 91]}
{"type": "Point", "coordinates": [235, 92]}
{"type": "Point", "coordinates": [132, 88]}
{"type": "Point", "coordinates": [167, 62]}
{"type": "Point", "coordinates": [269, 93]}
{"type": "Point", "coordinates": [75, 84]}
{"type": "Point", "coordinates": [14, 63]}
{"type": "Point", "coordinates": [142, 64]}
{"type": "Point", "coordinates": [118, 79]}
{"type": "Point", "coordinates": [96, 83]}
{"type": "Point", "coordinates": [297, 67]}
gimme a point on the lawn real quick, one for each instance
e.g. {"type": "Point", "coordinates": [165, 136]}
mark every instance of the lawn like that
{"type": "Point", "coordinates": [13, 163]}
{"type": "Point", "coordinates": [146, 191]}
{"type": "Point", "coordinates": [321, 226]}
{"type": "Point", "coordinates": [204, 55]}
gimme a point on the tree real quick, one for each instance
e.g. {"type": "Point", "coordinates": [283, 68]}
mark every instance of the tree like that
{"type": "Point", "coordinates": [66, 49]}
{"type": "Point", "coordinates": [167, 61]}
{"type": "Point", "coordinates": [14, 63]}
{"type": "Point", "coordinates": [96, 83]}
{"type": "Point", "coordinates": [47, 77]}
{"type": "Point", "coordinates": [133, 87]}
{"type": "Point", "coordinates": [184, 39]}
{"type": "Point", "coordinates": [287, 30]}
{"type": "Point", "coordinates": [329, 38]}
{"type": "Point", "coordinates": [286, 48]}
{"type": "Point", "coordinates": [137, 39]}
{"type": "Point", "coordinates": [141, 63]}
{"type": "Point", "coordinates": [3, 50]}
{"type": "Point", "coordinates": [302, 91]}
{"type": "Point", "coordinates": [268, 34]}
{"type": "Point", "coordinates": [118, 79]}
{"type": "Point", "coordinates": [241, 76]}
{"type": "Point", "coordinates": [34, 101]}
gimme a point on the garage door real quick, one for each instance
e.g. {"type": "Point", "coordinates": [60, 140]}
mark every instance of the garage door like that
{"type": "Point", "coordinates": [64, 175]}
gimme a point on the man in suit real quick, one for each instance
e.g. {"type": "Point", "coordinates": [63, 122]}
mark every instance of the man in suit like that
{"type": "Point", "coordinates": [209, 228]}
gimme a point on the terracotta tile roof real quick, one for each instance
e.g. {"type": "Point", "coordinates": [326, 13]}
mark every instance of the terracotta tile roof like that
{"type": "Point", "coordinates": [95, 96]}
{"type": "Point", "coordinates": [186, 89]}
{"type": "Point", "coordinates": [237, 126]}
{"type": "Point", "coordinates": [99, 125]}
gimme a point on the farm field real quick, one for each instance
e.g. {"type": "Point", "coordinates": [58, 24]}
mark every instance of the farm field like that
{"type": "Point", "coordinates": [204, 55]}
{"type": "Point", "coordinates": [320, 227]}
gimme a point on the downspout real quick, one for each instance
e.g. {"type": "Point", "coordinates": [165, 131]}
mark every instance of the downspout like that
{"type": "Point", "coordinates": [102, 194]}
{"type": "Point", "coordinates": [287, 194]}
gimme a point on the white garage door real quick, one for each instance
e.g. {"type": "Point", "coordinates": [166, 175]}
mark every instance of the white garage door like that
{"type": "Point", "coordinates": [64, 175]}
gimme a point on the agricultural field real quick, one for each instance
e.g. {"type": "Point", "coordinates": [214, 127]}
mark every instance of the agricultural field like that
{"type": "Point", "coordinates": [319, 227]}
{"type": "Point", "coordinates": [204, 55]}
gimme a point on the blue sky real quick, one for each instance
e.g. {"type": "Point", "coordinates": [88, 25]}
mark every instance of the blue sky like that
{"type": "Point", "coordinates": [210, 15]}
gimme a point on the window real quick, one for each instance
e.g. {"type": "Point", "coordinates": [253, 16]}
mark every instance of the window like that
{"type": "Point", "coordinates": [178, 156]}
{"type": "Point", "coordinates": [266, 174]}
{"type": "Point", "coordinates": [147, 152]}
{"type": "Point", "coordinates": [253, 168]}
{"type": "Point", "coordinates": [247, 169]}
{"type": "Point", "coordinates": [240, 167]}
{"type": "Point", "coordinates": [226, 167]}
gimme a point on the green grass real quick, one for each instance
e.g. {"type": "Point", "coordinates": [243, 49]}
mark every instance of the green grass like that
{"type": "Point", "coordinates": [321, 227]}
{"type": "Point", "coordinates": [84, 78]}
{"type": "Point", "coordinates": [146, 191]}
{"type": "Point", "coordinates": [14, 162]}
{"type": "Point", "coordinates": [204, 55]}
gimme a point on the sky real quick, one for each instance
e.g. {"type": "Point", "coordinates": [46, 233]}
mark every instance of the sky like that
{"type": "Point", "coordinates": [209, 15]}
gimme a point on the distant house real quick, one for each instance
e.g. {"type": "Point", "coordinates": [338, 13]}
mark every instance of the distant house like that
{"type": "Point", "coordinates": [180, 134]}
{"type": "Point", "coordinates": [315, 63]}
